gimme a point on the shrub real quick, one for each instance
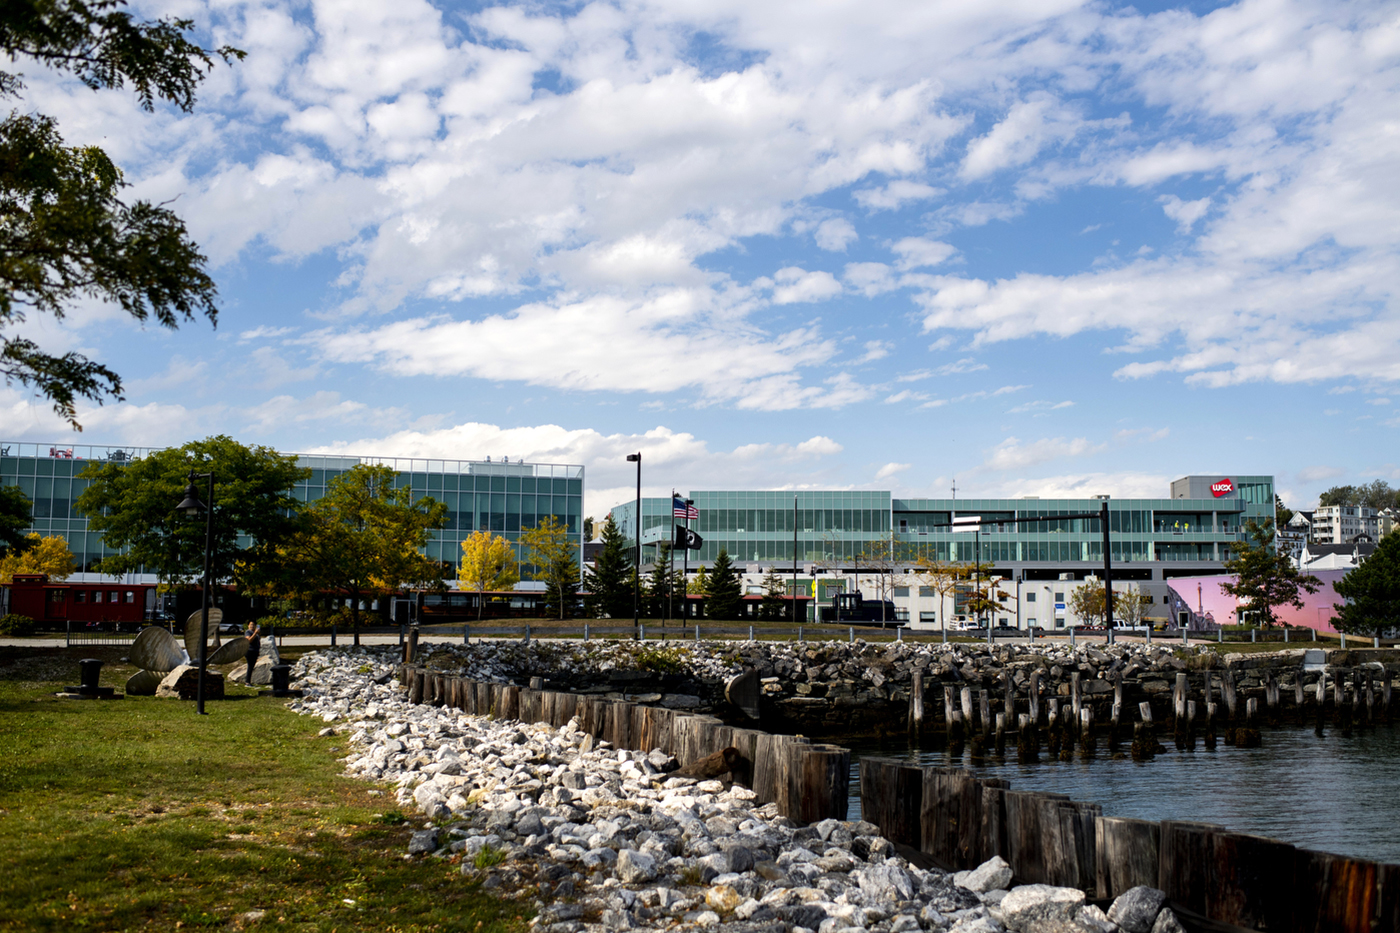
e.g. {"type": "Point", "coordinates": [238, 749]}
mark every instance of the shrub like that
{"type": "Point", "coordinates": [15, 624]}
{"type": "Point", "coordinates": [660, 660]}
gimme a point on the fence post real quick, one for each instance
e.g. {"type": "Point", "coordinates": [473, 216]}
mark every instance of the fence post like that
{"type": "Point", "coordinates": [1220, 635]}
{"type": "Point", "coordinates": [1314, 631]}
{"type": "Point", "coordinates": [750, 633]}
{"type": "Point", "coordinates": [851, 635]}
{"type": "Point", "coordinates": [527, 633]}
{"type": "Point", "coordinates": [1375, 641]}
{"type": "Point", "coordinates": [1149, 633]}
{"type": "Point", "coordinates": [697, 634]}
{"type": "Point", "coordinates": [641, 631]}
{"type": "Point", "coordinates": [1344, 641]}
{"type": "Point", "coordinates": [1183, 637]}
{"type": "Point", "coordinates": [585, 631]}
{"type": "Point", "coordinates": [1071, 636]}
{"type": "Point", "coordinates": [400, 634]}
{"type": "Point", "coordinates": [466, 633]}
{"type": "Point", "coordinates": [1285, 633]}
{"type": "Point", "coordinates": [899, 633]}
{"type": "Point", "coordinates": [1254, 635]}
{"type": "Point", "coordinates": [332, 635]}
{"type": "Point", "coordinates": [68, 633]}
{"type": "Point", "coordinates": [799, 635]}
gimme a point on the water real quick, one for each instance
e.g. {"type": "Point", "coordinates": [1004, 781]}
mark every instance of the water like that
{"type": "Point", "coordinates": [1331, 794]}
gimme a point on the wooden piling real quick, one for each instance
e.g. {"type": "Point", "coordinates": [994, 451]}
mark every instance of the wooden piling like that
{"type": "Point", "coordinates": [1299, 696]}
{"type": "Point", "coordinates": [1008, 698]}
{"type": "Point", "coordinates": [1370, 700]}
{"type": "Point", "coordinates": [1033, 699]}
{"type": "Point", "coordinates": [1247, 735]}
{"type": "Point", "coordinates": [916, 705]}
{"type": "Point", "coordinates": [1027, 741]}
{"type": "Point", "coordinates": [965, 695]}
{"type": "Point", "coordinates": [1179, 731]}
{"type": "Point", "coordinates": [1227, 688]}
{"type": "Point", "coordinates": [1320, 699]}
{"type": "Point", "coordinates": [984, 711]}
{"type": "Point", "coordinates": [1075, 699]}
{"type": "Point", "coordinates": [1052, 728]}
{"type": "Point", "coordinates": [1087, 742]}
{"type": "Point", "coordinates": [1144, 741]}
{"type": "Point", "coordinates": [1191, 725]}
{"type": "Point", "coordinates": [1271, 697]}
{"type": "Point", "coordinates": [1211, 711]}
{"type": "Point", "coordinates": [1340, 706]}
{"type": "Point", "coordinates": [1001, 734]}
{"type": "Point", "coordinates": [1385, 696]}
{"type": "Point", "coordinates": [955, 733]}
{"type": "Point", "coordinates": [948, 709]}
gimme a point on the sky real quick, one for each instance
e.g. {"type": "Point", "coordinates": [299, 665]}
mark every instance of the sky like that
{"type": "Point", "coordinates": [1030, 247]}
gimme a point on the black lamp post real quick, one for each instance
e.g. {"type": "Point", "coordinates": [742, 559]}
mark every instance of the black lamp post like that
{"type": "Point", "coordinates": [191, 505]}
{"type": "Point", "coordinates": [637, 571]}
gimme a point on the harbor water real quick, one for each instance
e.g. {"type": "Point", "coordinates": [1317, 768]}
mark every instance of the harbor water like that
{"type": "Point", "coordinates": [1332, 794]}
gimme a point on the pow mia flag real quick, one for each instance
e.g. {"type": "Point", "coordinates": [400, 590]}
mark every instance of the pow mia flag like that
{"type": "Point", "coordinates": [686, 539]}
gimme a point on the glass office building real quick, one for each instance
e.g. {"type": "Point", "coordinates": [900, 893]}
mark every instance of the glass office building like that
{"type": "Point", "coordinates": [1189, 532]}
{"type": "Point", "coordinates": [503, 497]}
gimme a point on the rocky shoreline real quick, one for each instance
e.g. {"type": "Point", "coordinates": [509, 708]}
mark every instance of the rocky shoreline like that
{"type": "Point", "coordinates": [605, 839]}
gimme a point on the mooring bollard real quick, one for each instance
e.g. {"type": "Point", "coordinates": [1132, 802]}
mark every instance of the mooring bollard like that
{"type": "Point", "coordinates": [1314, 631]}
{"type": "Point", "coordinates": [1344, 641]}
{"type": "Point", "coordinates": [527, 633]}
{"type": "Point", "coordinates": [899, 634]}
{"type": "Point", "coordinates": [799, 635]}
{"type": "Point", "coordinates": [1375, 641]}
{"type": "Point", "coordinates": [1183, 637]}
{"type": "Point", "coordinates": [1285, 633]}
{"type": "Point", "coordinates": [1071, 637]}
{"type": "Point", "coordinates": [1149, 634]}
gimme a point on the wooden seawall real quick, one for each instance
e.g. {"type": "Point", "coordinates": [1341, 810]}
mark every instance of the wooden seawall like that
{"type": "Point", "coordinates": [807, 781]}
{"type": "Point", "coordinates": [1207, 872]}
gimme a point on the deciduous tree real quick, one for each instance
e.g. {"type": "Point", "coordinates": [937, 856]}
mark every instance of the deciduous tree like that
{"type": "Point", "coordinates": [65, 232]}
{"type": "Point", "coordinates": [48, 555]}
{"type": "Point", "coordinates": [488, 563]}
{"type": "Point", "coordinates": [16, 515]}
{"type": "Point", "coordinates": [549, 548]}
{"type": "Point", "coordinates": [1265, 578]}
{"type": "Point", "coordinates": [132, 505]}
{"type": "Point", "coordinates": [364, 539]}
{"type": "Point", "coordinates": [1371, 591]}
{"type": "Point", "coordinates": [943, 577]}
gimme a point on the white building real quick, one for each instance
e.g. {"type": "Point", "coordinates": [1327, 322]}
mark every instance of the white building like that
{"type": "Point", "coordinates": [1340, 524]}
{"type": "Point", "coordinates": [1334, 556]}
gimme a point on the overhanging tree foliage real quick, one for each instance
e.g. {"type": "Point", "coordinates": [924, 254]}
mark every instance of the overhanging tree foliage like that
{"type": "Point", "coordinates": [1265, 578]}
{"type": "Point", "coordinates": [1371, 591]}
{"type": "Point", "coordinates": [65, 233]}
{"type": "Point", "coordinates": [132, 504]}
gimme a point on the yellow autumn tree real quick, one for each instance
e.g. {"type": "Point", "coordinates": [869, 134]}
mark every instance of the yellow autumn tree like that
{"type": "Point", "coordinates": [488, 563]}
{"type": "Point", "coordinates": [44, 555]}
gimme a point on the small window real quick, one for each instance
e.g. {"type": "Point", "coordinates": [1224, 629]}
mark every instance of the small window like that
{"type": "Point", "coordinates": [1059, 597]}
{"type": "Point", "coordinates": [131, 596]}
{"type": "Point", "coordinates": [97, 596]}
{"type": "Point", "coordinates": [1031, 622]}
{"type": "Point", "coordinates": [55, 596]}
{"type": "Point", "coordinates": [80, 596]}
{"type": "Point", "coordinates": [1030, 597]}
{"type": "Point", "coordinates": [925, 591]}
{"type": "Point", "coordinates": [901, 591]}
{"type": "Point", "coordinates": [113, 597]}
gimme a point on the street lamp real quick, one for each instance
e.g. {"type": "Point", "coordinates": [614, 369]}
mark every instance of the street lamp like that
{"type": "Point", "coordinates": [637, 571]}
{"type": "Point", "coordinates": [191, 506]}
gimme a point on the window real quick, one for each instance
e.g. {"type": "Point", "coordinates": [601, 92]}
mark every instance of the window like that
{"type": "Point", "coordinates": [80, 596]}
{"type": "Point", "coordinates": [1030, 597]}
{"type": "Point", "coordinates": [113, 597]}
{"type": "Point", "coordinates": [1031, 622]}
{"type": "Point", "coordinates": [97, 596]}
{"type": "Point", "coordinates": [925, 591]}
{"type": "Point", "coordinates": [130, 596]}
{"type": "Point", "coordinates": [1059, 597]}
{"type": "Point", "coordinates": [55, 596]}
{"type": "Point", "coordinates": [901, 591]}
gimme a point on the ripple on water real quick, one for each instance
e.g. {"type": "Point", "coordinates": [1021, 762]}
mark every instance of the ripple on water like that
{"type": "Point", "coordinates": [1331, 794]}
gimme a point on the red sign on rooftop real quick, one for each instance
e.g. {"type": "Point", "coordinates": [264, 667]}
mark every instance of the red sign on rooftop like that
{"type": "Point", "coordinates": [1222, 488]}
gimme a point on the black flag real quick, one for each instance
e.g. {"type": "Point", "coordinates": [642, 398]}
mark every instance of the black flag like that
{"type": "Point", "coordinates": [686, 540]}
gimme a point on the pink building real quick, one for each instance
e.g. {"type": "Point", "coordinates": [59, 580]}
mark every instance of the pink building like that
{"type": "Point", "coordinates": [1204, 596]}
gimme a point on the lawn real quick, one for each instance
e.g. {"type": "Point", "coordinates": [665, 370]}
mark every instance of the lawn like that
{"type": "Point", "coordinates": [139, 814]}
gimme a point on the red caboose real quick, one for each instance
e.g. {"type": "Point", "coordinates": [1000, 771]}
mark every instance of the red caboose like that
{"type": "Point", "coordinates": [106, 605]}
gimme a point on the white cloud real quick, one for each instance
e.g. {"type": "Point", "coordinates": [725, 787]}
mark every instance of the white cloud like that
{"type": "Point", "coordinates": [870, 278]}
{"type": "Point", "coordinates": [875, 350]}
{"type": "Point", "coordinates": [1185, 213]}
{"type": "Point", "coordinates": [895, 195]}
{"type": "Point", "coordinates": [1320, 472]}
{"type": "Point", "coordinates": [891, 469]}
{"type": "Point", "coordinates": [1126, 485]}
{"type": "Point", "coordinates": [1013, 454]}
{"type": "Point", "coordinates": [836, 234]}
{"type": "Point", "coordinates": [1039, 406]}
{"type": "Point", "coordinates": [1028, 126]}
{"type": "Point", "coordinates": [917, 252]}
{"type": "Point", "coordinates": [796, 285]}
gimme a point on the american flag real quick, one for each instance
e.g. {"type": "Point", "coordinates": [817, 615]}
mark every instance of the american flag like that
{"type": "Point", "coordinates": [680, 510]}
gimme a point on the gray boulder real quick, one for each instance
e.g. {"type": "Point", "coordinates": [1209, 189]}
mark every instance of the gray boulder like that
{"type": "Point", "coordinates": [634, 867]}
{"type": "Point", "coordinates": [1041, 908]}
{"type": "Point", "coordinates": [1167, 923]}
{"type": "Point", "coordinates": [992, 874]}
{"type": "Point", "coordinates": [885, 883]}
{"type": "Point", "coordinates": [425, 840]}
{"type": "Point", "coordinates": [1136, 909]}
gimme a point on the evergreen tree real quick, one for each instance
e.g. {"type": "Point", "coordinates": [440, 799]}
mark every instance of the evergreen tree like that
{"type": "Point", "coordinates": [774, 607]}
{"type": "Point", "coordinates": [725, 589]}
{"type": "Point", "coordinates": [662, 587]}
{"type": "Point", "coordinates": [1265, 577]}
{"type": "Point", "coordinates": [1371, 591]}
{"type": "Point", "coordinates": [609, 581]}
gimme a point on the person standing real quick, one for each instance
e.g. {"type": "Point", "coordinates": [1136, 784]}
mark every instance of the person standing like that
{"type": "Point", "coordinates": [254, 636]}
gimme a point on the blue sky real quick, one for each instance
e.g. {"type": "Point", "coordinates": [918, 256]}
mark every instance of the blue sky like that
{"type": "Point", "coordinates": [1041, 247]}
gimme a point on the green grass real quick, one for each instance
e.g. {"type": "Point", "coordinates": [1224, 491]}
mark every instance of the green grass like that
{"type": "Point", "coordinates": [138, 814]}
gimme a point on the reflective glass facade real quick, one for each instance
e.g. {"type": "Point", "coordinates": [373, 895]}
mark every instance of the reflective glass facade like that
{"type": "Point", "coordinates": [501, 497]}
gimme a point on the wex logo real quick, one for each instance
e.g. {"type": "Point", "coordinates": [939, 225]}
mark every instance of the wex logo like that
{"type": "Point", "coordinates": [1222, 488]}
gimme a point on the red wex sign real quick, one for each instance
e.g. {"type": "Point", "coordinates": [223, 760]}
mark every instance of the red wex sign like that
{"type": "Point", "coordinates": [1222, 488]}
